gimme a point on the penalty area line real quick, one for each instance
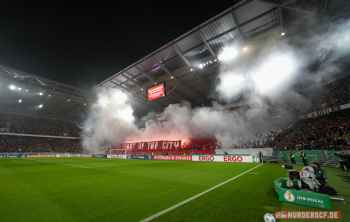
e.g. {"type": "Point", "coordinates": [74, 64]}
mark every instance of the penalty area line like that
{"type": "Point", "coordinates": [194, 197]}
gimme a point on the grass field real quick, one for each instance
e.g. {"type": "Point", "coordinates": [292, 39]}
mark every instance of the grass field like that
{"type": "Point", "coordinates": [91, 189]}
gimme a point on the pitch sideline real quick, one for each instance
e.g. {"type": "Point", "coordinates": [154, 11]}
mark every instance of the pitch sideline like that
{"type": "Point", "coordinates": [194, 197]}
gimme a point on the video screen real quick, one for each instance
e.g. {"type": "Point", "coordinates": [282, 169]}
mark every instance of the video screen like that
{"type": "Point", "coordinates": [156, 92]}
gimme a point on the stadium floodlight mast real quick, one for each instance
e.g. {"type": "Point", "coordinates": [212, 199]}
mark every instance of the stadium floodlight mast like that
{"type": "Point", "coordinates": [118, 153]}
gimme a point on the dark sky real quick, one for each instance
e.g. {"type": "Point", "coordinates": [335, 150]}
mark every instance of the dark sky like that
{"type": "Point", "coordinates": [82, 43]}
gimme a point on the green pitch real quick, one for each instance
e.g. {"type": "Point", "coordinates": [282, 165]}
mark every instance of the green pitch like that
{"type": "Point", "coordinates": [91, 189]}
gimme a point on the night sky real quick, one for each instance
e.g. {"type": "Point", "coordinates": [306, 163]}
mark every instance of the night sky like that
{"type": "Point", "coordinates": [82, 43]}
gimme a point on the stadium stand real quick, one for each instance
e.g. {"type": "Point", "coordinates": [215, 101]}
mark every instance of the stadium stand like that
{"type": "Point", "coordinates": [337, 92]}
{"type": "Point", "coordinates": [16, 144]}
{"type": "Point", "coordinates": [321, 134]}
{"type": "Point", "coordinates": [25, 124]}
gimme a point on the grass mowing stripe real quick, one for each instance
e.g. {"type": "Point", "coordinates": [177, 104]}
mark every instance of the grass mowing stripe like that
{"type": "Point", "coordinates": [90, 167]}
{"type": "Point", "coordinates": [194, 197]}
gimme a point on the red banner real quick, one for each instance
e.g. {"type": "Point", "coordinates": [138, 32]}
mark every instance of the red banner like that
{"type": "Point", "coordinates": [36, 156]}
{"type": "Point", "coordinates": [166, 157]}
{"type": "Point", "coordinates": [86, 155]}
{"type": "Point", "coordinates": [153, 145]}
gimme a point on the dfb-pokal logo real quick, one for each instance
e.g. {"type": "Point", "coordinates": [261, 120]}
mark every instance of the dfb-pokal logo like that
{"type": "Point", "coordinates": [289, 183]}
{"type": "Point", "coordinates": [289, 196]}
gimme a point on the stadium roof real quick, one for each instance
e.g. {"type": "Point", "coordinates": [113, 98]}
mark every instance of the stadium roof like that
{"type": "Point", "coordinates": [253, 23]}
{"type": "Point", "coordinates": [22, 92]}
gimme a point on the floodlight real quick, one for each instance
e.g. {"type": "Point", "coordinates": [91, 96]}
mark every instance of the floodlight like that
{"type": "Point", "coordinates": [172, 77]}
{"type": "Point", "coordinates": [201, 66]}
{"type": "Point", "coordinates": [141, 88]}
{"type": "Point", "coordinates": [68, 100]}
{"type": "Point", "coordinates": [26, 90]}
{"type": "Point", "coordinates": [283, 33]}
{"type": "Point", "coordinates": [19, 89]}
{"type": "Point", "coordinates": [40, 106]}
{"type": "Point", "coordinates": [20, 101]}
{"type": "Point", "coordinates": [191, 69]}
{"type": "Point", "coordinates": [12, 87]}
{"type": "Point", "coordinates": [41, 94]}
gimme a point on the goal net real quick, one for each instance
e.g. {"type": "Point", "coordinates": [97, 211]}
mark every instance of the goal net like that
{"type": "Point", "coordinates": [118, 153]}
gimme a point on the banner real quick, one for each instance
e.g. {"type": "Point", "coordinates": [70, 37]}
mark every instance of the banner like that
{"type": "Point", "coordinates": [2, 130]}
{"type": "Point", "coordinates": [286, 194]}
{"type": "Point", "coordinates": [166, 157]}
{"type": "Point", "coordinates": [37, 156]}
{"type": "Point", "coordinates": [145, 157]}
{"type": "Point", "coordinates": [67, 155]}
{"type": "Point", "coordinates": [100, 155]}
{"type": "Point", "coordinates": [244, 159]}
{"type": "Point", "coordinates": [12, 156]}
{"type": "Point", "coordinates": [115, 156]}
{"type": "Point", "coordinates": [85, 155]}
{"type": "Point", "coordinates": [153, 145]}
{"type": "Point", "coordinates": [323, 112]}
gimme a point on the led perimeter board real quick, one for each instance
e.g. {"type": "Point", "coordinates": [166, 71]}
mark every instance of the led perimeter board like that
{"type": "Point", "coordinates": [156, 92]}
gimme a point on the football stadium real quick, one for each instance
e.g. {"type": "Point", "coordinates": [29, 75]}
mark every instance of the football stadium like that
{"type": "Point", "coordinates": [245, 117]}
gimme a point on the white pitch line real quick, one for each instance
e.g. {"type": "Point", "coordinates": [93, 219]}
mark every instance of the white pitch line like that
{"type": "Point", "coordinates": [194, 197]}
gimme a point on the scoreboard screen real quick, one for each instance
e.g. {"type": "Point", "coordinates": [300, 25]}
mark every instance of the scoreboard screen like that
{"type": "Point", "coordinates": [156, 92]}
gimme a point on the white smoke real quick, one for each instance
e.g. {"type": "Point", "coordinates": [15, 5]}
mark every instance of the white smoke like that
{"type": "Point", "coordinates": [266, 81]}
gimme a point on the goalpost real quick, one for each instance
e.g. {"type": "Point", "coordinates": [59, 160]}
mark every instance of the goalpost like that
{"type": "Point", "coordinates": [117, 153]}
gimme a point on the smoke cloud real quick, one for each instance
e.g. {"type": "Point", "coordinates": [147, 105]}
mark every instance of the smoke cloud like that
{"type": "Point", "coordinates": [266, 80]}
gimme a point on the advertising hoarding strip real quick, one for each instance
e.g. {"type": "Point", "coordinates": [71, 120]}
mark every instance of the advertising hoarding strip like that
{"type": "Point", "coordinates": [194, 197]}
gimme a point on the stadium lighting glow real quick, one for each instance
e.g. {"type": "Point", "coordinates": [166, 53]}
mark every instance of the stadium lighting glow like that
{"type": "Point", "coordinates": [19, 89]}
{"type": "Point", "coordinates": [49, 95]}
{"type": "Point", "coordinates": [20, 101]}
{"type": "Point", "coordinates": [12, 87]}
{"type": "Point", "coordinates": [283, 33]}
{"type": "Point", "coordinates": [276, 70]}
{"type": "Point", "coordinates": [172, 77]}
{"type": "Point", "coordinates": [68, 100]}
{"type": "Point", "coordinates": [201, 66]}
{"type": "Point", "coordinates": [40, 106]}
{"type": "Point", "coordinates": [41, 94]}
{"type": "Point", "coordinates": [228, 54]}
{"type": "Point", "coordinates": [245, 48]}
{"type": "Point", "coordinates": [215, 60]}
{"type": "Point", "coordinates": [26, 90]}
{"type": "Point", "coordinates": [84, 104]}
{"type": "Point", "coordinates": [191, 70]}
{"type": "Point", "coordinates": [141, 88]}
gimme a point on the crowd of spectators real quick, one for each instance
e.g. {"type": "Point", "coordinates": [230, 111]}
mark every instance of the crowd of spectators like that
{"type": "Point", "coordinates": [25, 124]}
{"type": "Point", "coordinates": [260, 136]}
{"type": "Point", "coordinates": [200, 143]}
{"type": "Point", "coordinates": [337, 92]}
{"type": "Point", "coordinates": [16, 144]}
{"type": "Point", "coordinates": [321, 134]}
